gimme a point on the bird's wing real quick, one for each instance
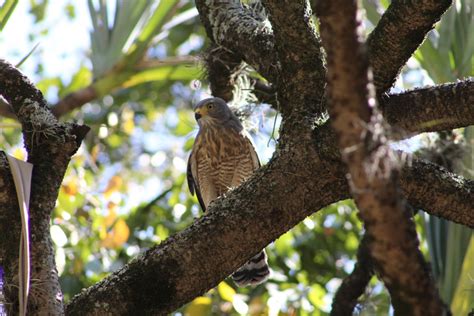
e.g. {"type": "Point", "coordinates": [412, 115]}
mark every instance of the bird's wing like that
{"type": "Point", "coordinates": [246, 161]}
{"type": "Point", "coordinates": [193, 185]}
{"type": "Point", "coordinates": [251, 149]}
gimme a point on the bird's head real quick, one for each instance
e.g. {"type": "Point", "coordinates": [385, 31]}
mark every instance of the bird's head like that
{"type": "Point", "coordinates": [212, 110]}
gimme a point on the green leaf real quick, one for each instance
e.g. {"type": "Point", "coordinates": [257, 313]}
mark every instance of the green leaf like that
{"type": "Point", "coordinates": [446, 31]}
{"type": "Point", "coordinates": [47, 83]}
{"type": "Point", "coordinates": [463, 300]}
{"type": "Point", "coordinates": [457, 242]}
{"type": "Point", "coordinates": [81, 79]}
{"type": "Point", "coordinates": [433, 62]}
{"type": "Point", "coordinates": [316, 295]}
{"type": "Point", "coordinates": [185, 124]}
{"type": "Point", "coordinates": [38, 9]}
{"type": "Point", "coordinates": [108, 41]}
{"type": "Point", "coordinates": [182, 72]}
{"type": "Point", "coordinates": [372, 12]}
{"type": "Point", "coordinates": [153, 27]}
{"type": "Point", "coordinates": [6, 11]}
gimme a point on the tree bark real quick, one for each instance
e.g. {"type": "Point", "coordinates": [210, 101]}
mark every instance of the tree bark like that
{"type": "Point", "coordinates": [372, 164]}
{"type": "Point", "coordinates": [50, 146]}
{"type": "Point", "coordinates": [398, 34]}
{"type": "Point", "coordinates": [430, 109]}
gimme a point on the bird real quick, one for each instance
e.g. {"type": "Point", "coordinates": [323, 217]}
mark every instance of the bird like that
{"type": "Point", "coordinates": [222, 157]}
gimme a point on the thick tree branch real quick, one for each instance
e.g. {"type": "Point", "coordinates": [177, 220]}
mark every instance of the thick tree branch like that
{"type": "Point", "coordinates": [50, 146]}
{"type": "Point", "coordinates": [421, 181]}
{"type": "Point", "coordinates": [439, 192]}
{"type": "Point", "coordinates": [429, 109]}
{"type": "Point", "coordinates": [353, 286]}
{"type": "Point", "coordinates": [211, 248]}
{"type": "Point", "coordinates": [398, 34]}
{"type": "Point", "coordinates": [217, 243]}
{"type": "Point", "coordinates": [243, 31]}
{"type": "Point", "coordinates": [373, 176]}
{"type": "Point", "coordinates": [300, 54]}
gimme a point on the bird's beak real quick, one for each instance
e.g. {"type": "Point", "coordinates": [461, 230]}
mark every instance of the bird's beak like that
{"type": "Point", "coordinates": [197, 114]}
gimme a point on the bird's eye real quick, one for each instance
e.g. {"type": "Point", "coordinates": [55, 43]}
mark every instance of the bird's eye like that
{"type": "Point", "coordinates": [210, 106]}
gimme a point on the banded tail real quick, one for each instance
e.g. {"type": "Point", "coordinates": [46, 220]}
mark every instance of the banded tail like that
{"type": "Point", "coordinates": [254, 272]}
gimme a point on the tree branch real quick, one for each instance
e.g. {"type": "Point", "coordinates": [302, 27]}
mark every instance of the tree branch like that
{"type": "Point", "coordinates": [398, 34]}
{"type": "Point", "coordinates": [215, 244]}
{"type": "Point", "coordinates": [439, 192]}
{"type": "Point", "coordinates": [241, 30]}
{"type": "Point", "coordinates": [421, 181]}
{"type": "Point", "coordinates": [209, 250]}
{"type": "Point", "coordinates": [373, 177]}
{"type": "Point", "coordinates": [300, 54]}
{"type": "Point", "coordinates": [430, 109]}
{"type": "Point", "coordinates": [353, 286]}
{"type": "Point", "coordinates": [50, 145]}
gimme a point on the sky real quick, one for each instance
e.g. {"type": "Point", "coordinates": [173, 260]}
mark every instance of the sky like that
{"type": "Point", "coordinates": [59, 48]}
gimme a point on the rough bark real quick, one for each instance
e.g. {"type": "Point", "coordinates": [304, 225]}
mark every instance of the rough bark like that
{"type": "Point", "coordinates": [430, 109]}
{"type": "Point", "coordinates": [50, 146]}
{"type": "Point", "coordinates": [373, 172]}
{"type": "Point", "coordinates": [242, 31]}
{"type": "Point", "coordinates": [428, 185]}
{"type": "Point", "coordinates": [302, 76]}
{"type": "Point", "coordinates": [398, 34]}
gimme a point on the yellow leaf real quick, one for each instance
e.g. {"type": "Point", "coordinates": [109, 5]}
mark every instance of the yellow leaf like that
{"type": "Point", "coordinates": [102, 232]}
{"type": "Point", "coordinates": [70, 188]}
{"type": "Point", "coordinates": [122, 232]}
{"type": "Point", "coordinates": [115, 183]}
{"type": "Point", "coordinates": [117, 236]}
{"type": "Point", "coordinates": [128, 124]}
{"type": "Point", "coordinates": [201, 306]}
{"type": "Point", "coordinates": [226, 291]}
{"type": "Point", "coordinates": [112, 216]}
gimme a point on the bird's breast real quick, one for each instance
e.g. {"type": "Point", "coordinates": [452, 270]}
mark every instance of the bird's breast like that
{"type": "Point", "coordinates": [222, 144]}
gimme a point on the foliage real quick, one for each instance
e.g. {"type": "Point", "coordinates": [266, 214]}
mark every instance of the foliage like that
{"type": "Point", "coordinates": [125, 189]}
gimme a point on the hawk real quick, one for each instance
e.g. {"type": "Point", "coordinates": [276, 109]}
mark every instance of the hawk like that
{"type": "Point", "coordinates": [223, 157]}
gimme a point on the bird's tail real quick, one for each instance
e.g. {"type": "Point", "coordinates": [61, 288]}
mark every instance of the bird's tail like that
{"type": "Point", "coordinates": [254, 272]}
